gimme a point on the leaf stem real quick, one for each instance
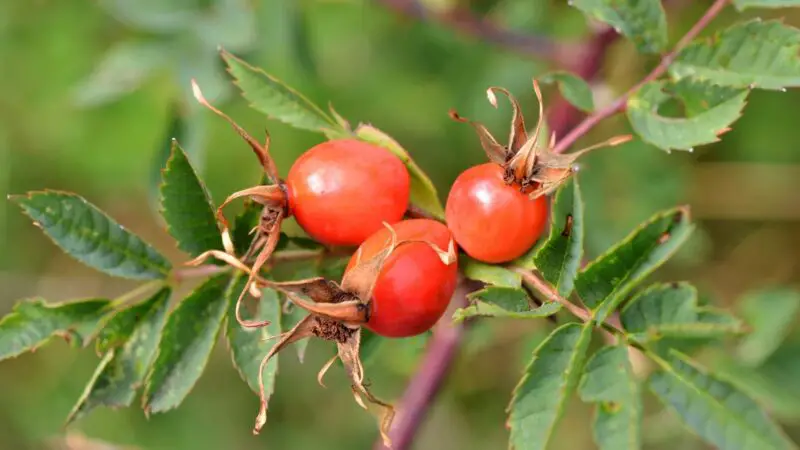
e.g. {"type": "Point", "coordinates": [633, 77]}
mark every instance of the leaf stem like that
{"type": "Point", "coordinates": [612, 325]}
{"type": "Point", "coordinates": [136, 292]}
{"type": "Point", "coordinates": [618, 105]}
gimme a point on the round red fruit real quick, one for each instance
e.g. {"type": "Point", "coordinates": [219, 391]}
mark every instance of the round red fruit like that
{"type": "Point", "coordinates": [490, 220]}
{"type": "Point", "coordinates": [341, 191]}
{"type": "Point", "coordinates": [414, 286]}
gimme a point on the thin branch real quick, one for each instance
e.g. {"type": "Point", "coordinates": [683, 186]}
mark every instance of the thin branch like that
{"type": "Point", "coordinates": [423, 387]}
{"type": "Point", "coordinates": [562, 116]}
{"type": "Point", "coordinates": [465, 22]}
{"type": "Point", "coordinates": [618, 105]}
{"type": "Point", "coordinates": [611, 325]}
{"type": "Point", "coordinates": [187, 273]}
{"type": "Point", "coordinates": [551, 294]}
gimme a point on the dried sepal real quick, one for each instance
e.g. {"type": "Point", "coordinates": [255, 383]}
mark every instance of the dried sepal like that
{"type": "Point", "coordinates": [495, 151]}
{"type": "Point", "coordinates": [303, 329]}
{"type": "Point", "coordinates": [324, 370]}
{"type": "Point", "coordinates": [554, 169]}
{"type": "Point", "coordinates": [261, 151]}
{"type": "Point", "coordinates": [518, 134]}
{"type": "Point", "coordinates": [360, 280]}
{"type": "Point", "coordinates": [349, 354]}
{"type": "Point", "coordinates": [534, 168]}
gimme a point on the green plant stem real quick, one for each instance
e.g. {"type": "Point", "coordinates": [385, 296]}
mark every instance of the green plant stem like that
{"type": "Point", "coordinates": [136, 292]}
{"type": "Point", "coordinates": [618, 105]}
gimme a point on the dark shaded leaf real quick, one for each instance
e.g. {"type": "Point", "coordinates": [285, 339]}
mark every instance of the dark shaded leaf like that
{"type": "Point", "coordinates": [609, 381]}
{"type": "Point", "coordinates": [186, 206]}
{"type": "Point", "coordinates": [90, 236]}
{"type": "Point", "coordinates": [713, 408]}
{"type": "Point", "coordinates": [32, 322]}
{"type": "Point", "coordinates": [123, 368]}
{"type": "Point", "coordinates": [559, 258]}
{"type": "Point", "coordinates": [186, 343]}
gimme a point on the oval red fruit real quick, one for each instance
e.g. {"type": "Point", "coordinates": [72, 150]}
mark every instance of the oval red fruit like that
{"type": "Point", "coordinates": [490, 220]}
{"type": "Point", "coordinates": [414, 286]}
{"type": "Point", "coordinates": [341, 191]}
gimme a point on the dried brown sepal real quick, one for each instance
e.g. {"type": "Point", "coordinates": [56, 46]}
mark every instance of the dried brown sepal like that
{"type": "Point", "coordinates": [349, 354]}
{"type": "Point", "coordinates": [495, 151]}
{"type": "Point", "coordinates": [534, 168]}
{"type": "Point", "coordinates": [261, 151]}
{"type": "Point", "coordinates": [303, 330]}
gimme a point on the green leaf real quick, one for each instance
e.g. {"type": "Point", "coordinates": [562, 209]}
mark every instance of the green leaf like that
{"type": "Point", "coordinates": [670, 310]}
{"type": "Point", "coordinates": [186, 206]}
{"type": "Point", "coordinates": [32, 322]}
{"type": "Point", "coordinates": [670, 133]}
{"type": "Point", "coordinates": [549, 380]}
{"type": "Point", "coordinates": [123, 368]}
{"type": "Point", "coordinates": [186, 343]}
{"type": "Point", "coordinates": [274, 98]}
{"type": "Point", "coordinates": [743, 4]}
{"type": "Point", "coordinates": [610, 382]}
{"type": "Point", "coordinates": [700, 96]}
{"type": "Point", "coordinates": [423, 192]}
{"type": "Point", "coordinates": [489, 273]}
{"type": "Point", "coordinates": [770, 313]}
{"type": "Point", "coordinates": [118, 329]}
{"type": "Point", "coordinates": [250, 345]}
{"type": "Point", "coordinates": [755, 54]}
{"type": "Point", "coordinates": [482, 309]}
{"type": "Point", "coordinates": [559, 258]}
{"type": "Point", "coordinates": [497, 301]}
{"type": "Point", "coordinates": [603, 284]}
{"type": "Point", "coordinates": [90, 236]}
{"type": "Point", "coordinates": [642, 21]}
{"type": "Point", "coordinates": [573, 88]}
{"type": "Point", "coordinates": [772, 385]}
{"type": "Point", "coordinates": [713, 408]}
{"type": "Point", "coordinates": [122, 70]}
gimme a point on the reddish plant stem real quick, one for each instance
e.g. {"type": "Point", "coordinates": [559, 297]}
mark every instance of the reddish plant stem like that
{"type": "Point", "coordinates": [618, 105]}
{"type": "Point", "coordinates": [434, 367]}
{"type": "Point", "coordinates": [465, 22]}
{"type": "Point", "coordinates": [562, 116]}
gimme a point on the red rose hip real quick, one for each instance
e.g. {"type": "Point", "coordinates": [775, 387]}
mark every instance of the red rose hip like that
{"type": "Point", "coordinates": [341, 191]}
{"type": "Point", "coordinates": [491, 220]}
{"type": "Point", "coordinates": [414, 287]}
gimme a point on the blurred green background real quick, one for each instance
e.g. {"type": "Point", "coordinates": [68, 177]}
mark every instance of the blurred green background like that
{"type": "Point", "coordinates": [89, 91]}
